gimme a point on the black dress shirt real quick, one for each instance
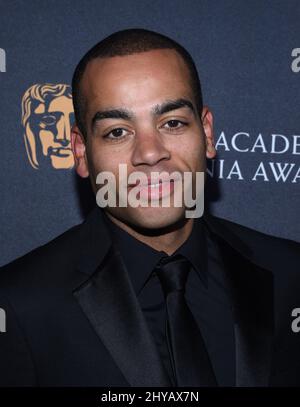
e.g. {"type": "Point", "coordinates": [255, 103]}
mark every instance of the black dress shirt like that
{"type": "Point", "coordinates": [206, 294]}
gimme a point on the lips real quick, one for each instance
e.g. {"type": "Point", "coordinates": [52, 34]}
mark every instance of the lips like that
{"type": "Point", "coordinates": [59, 151]}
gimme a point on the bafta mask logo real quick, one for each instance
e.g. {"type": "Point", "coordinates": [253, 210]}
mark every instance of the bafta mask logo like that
{"type": "Point", "coordinates": [47, 115]}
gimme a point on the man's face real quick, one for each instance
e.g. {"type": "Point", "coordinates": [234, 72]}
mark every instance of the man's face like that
{"type": "Point", "coordinates": [50, 123]}
{"type": "Point", "coordinates": [151, 134]}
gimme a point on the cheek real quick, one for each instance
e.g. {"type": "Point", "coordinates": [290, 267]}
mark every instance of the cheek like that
{"type": "Point", "coordinates": [192, 153]}
{"type": "Point", "coordinates": [46, 138]}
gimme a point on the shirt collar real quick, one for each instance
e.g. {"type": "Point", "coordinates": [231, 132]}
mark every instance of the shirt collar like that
{"type": "Point", "coordinates": [140, 259]}
{"type": "Point", "coordinates": [195, 249]}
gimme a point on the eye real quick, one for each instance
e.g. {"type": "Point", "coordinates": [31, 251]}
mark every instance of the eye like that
{"type": "Point", "coordinates": [116, 133]}
{"type": "Point", "coordinates": [173, 124]}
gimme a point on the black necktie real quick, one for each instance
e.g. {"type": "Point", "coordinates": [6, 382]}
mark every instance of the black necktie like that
{"type": "Point", "coordinates": [190, 361]}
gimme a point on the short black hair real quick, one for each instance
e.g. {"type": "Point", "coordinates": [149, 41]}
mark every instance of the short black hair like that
{"type": "Point", "coordinates": [128, 42]}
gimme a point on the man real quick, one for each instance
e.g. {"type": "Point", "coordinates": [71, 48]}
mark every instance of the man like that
{"type": "Point", "coordinates": [47, 112]}
{"type": "Point", "coordinates": [92, 307]}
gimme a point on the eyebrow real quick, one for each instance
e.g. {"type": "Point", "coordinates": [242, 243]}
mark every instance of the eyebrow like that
{"type": "Point", "coordinates": [120, 113]}
{"type": "Point", "coordinates": [157, 110]}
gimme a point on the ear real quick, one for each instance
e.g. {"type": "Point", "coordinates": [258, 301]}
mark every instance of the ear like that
{"type": "Point", "coordinates": [207, 122]}
{"type": "Point", "coordinates": [79, 153]}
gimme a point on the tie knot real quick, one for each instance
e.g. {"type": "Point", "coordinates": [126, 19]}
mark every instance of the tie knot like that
{"type": "Point", "coordinates": [172, 273]}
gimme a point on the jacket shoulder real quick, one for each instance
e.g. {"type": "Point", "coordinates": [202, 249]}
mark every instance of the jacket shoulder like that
{"type": "Point", "coordinates": [58, 254]}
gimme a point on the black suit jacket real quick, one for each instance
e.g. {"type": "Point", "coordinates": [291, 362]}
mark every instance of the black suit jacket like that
{"type": "Point", "coordinates": [72, 317]}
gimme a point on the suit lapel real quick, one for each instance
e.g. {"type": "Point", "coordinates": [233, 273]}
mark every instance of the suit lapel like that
{"type": "Point", "coordinates": [251, 292]}
{"type": "Point", "coordinates": [108, 300]}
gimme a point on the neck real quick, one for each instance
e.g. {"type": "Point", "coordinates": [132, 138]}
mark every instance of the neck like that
{"type": "Point", "coordinates": [167, 239]}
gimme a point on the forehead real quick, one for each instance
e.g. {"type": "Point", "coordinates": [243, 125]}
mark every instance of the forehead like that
{"type": "Point", "coordinates": [61, 103]}
{"type": "Point", "coordinates": [138, 78]}
{"type": "Point", "coordinates": [56, 104]}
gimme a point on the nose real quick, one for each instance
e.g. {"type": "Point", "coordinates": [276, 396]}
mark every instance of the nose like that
{"type": "Point", "coordinates": [149, 149]}
{"type": "Point", "coordinates": [63, 132]}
